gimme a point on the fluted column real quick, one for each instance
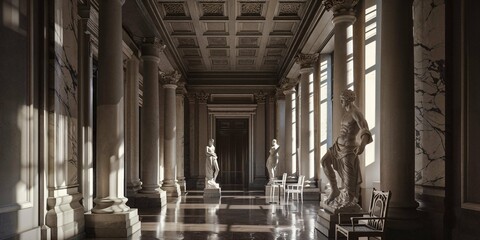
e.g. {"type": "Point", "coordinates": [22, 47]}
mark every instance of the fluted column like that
{"type": "Point", "coordinates": [397, 121]}
{"type": "Point", "coordinates": [343, 17]}
{"type": "Point", "coordinates": [280, 128]}
{"type": "Point", "coordinates": [132, 128]}
{"type": "Point", "coordinates": [306, 160]}
{"type": "Point", "coordinates": [110, 136]}
{"type": "Point", "coordinates": [259, 143]}
{"type": "Point", "coordinates": [149, 145]}
{"type": "Point", "coordinates": [170, 184]}
{"type": "Point", "coordinates": [180, 97]}
{"type": "Point", "coordinates": [202, 133]}
{"type": "Point", "coordinates": [290, 141]}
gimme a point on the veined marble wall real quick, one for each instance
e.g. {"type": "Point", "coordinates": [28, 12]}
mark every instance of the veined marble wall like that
{"type": "Point", "coordinates": [63, 93]}
{"type": "Point", "coordinates": [429, 49]}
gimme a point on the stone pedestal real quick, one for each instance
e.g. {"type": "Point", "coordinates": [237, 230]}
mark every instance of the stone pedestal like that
{"type": "Point", "coordinates": [327, 217]}
{"type": "Point", "coordinates": [150, 200]}
{"type": "Point", "coordinates": [311, 194]}
{"type": "Point", "coordinates": [272, 196]}
{"type": "Point", "coordinates": [212, 193]}
{"type": "Point", "coordinates": [115, 225]}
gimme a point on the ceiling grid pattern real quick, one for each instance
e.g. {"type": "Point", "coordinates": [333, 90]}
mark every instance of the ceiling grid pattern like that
{"type": "Point", "coordinates": [232, 36]}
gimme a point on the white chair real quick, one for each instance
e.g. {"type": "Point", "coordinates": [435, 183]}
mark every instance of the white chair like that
{"type": "Point", "coordinates": [296, 188]}
{"type": "Point", "coordinates": [281, 184]}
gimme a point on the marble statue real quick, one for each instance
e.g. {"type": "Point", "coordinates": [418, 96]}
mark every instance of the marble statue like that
{"type": "Point", "coordinates": [272, 161]}
{"type": "Point", "coordinates": [343, 155]}
{"type": "Point", "coordinates": [211, 166]}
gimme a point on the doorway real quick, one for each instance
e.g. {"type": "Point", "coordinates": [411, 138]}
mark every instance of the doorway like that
{"type": "Point", "coordinates": [231, 140]}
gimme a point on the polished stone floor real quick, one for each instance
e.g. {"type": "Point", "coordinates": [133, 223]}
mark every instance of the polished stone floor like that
{"type": "Point", "coordinates": [236, 215]}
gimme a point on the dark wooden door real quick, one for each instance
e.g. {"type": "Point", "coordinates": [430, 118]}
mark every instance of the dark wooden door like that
{"type": "Point", "coordinates": [232, 151]}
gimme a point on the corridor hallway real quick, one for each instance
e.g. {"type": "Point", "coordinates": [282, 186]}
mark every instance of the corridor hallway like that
{"type": "Point", "coordinates": [237, 215]}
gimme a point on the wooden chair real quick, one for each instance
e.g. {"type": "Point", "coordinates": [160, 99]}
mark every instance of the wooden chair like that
{"type": "Point", "coordinates": [296, 188]}
{"type": "Point", "coordinates": [376, 217]}
{"type": "Point", "coordinates": [281, 184]}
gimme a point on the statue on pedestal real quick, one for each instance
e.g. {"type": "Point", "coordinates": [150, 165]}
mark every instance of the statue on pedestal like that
{"type": "Point", "coordinates": [272, 161]}
{"type": "Point", "coordinates": [211, 166]}
{"type": "Point", "coordinates": [343, 155]}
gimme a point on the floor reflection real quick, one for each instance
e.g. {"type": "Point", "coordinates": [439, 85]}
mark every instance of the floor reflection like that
{"type": "Point", "coordinates": [249, 216]}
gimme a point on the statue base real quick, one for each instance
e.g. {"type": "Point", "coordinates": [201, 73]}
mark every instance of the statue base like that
{"type": "Point", "coordinates": [327, 217]}
{"type": "Point", "coordinates": [272, 193]}
{"type": "Point", "coordinates": [212, 193]}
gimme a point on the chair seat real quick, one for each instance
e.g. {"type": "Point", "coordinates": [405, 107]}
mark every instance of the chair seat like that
{"type": "Point", "coordinates": [358, 228]}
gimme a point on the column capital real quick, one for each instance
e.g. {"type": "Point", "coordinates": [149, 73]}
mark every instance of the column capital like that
{"type": "Point", "coordinates": [306, 60]}
{"type": "Point", "coordinates": [191, 97]}
{"type": "Point", "coordinates": [202, 97]}
{"type": "Point", "coordinates": [279, 93]}
{"type": "Point", "coordinates": [340, 7]}
{"type": "Point", "coordinates": [288, 83]}
{"type": "Point", "coordinates": [260, 97]}
{"type": "Point", "coordinates": [151, 48]}
{"type": "Point", "coordinates": [170, 80]}
{"type": "Point", "coordinates": [181, 90]}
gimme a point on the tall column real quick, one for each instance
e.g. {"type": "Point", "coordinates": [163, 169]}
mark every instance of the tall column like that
{"type": "Point", "coordinates": [343, 17]}
{"type": "Point", "coordinates": [180, 97]}
{"type": "Point", "coordinates": [85, 107]}
{"type": "Point", "coordinates": [290, 142]}
{"type": "Point", "coordinates": [397, 133]}
{"type": "Point", "coordinates": [280, 128]}
{"type": "Point", "coordinates": [193, 144]}
{"type": "Point", "coordinates": [150, 194]}
{"type": "Point", "coordinates": [202, 140]}
{"type": "Point", "coordinates": [110, 132]}
{"type": "Point", "coordinates": [170, 184]}
{"type": "Point", "coordinates": [306, 62]}
{"type": "Point", "coordinates": [132, 128]}
{"type": "Point", "coordinates": [259, 141]}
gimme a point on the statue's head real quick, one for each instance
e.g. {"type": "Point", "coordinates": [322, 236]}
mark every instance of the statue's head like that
{"type": "Point", "coordinates": [210, 142]}
{"type": "Point", "coordinates": [274, 141]}
{"type": "Point", "coordinates": [348, 95]}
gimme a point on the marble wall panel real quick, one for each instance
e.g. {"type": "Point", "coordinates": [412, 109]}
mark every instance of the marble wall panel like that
{"type": "Point", "coordinates": [429, 50]}
{"type": "Point", "coordinates": [63, 93]}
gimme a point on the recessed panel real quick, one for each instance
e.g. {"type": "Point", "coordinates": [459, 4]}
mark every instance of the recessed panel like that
{"type": "Point", "coordinates": [220, 67]}
{"type": "Point", "coordinates": [191, 52]}
{"type": "Point", "coordinates": [277, 42]}
{"type": "Point", "coordinates": [251, 9]}
{"type": "Point", "coordinates": [181, 27]}
{"type": "Point", "coordinates": [221, 61]}
{"type": "Point", "coordinates": [247, 52]}
{"type": "Point", "coordinates": [248, 42]}
{"type": "Point", "coordinates": [186, 42]}
{"type": "Point", "coordinates": [247, 61]}
{"type": "Point", "coordinates": [213, 9]}
{"type": "Point", "coordinates": [250, 27]}
{"type": "Point", "coordinates": [174, 9]}
{"type": "Point", "coordinates": [218, 53]}
{"type": "Point", "coordinates": [283, 27]}
{"type": "Point", "coordinates": [289, 9]}
{"type": "Point", "coordinates": [215, 27]}
{"type": "Point", "coordinates": [275, 52]}
{"type": "Point", "coordinates": [217, 41]}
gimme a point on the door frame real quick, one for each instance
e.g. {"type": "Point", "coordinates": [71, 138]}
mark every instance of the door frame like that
{"type": "Point", "coordinates": [235, 111]}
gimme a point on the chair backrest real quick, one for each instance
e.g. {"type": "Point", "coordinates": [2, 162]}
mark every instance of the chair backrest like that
{"type": "Point", "coordinates": [379, 208]}
{"type": "Point", "coordinates": [301, 181]}
{"type": "Point", "coordinates": [284, 179]}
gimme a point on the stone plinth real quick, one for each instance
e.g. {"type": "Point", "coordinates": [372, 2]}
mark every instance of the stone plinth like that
{"type": "Point", "coordinates": [149, 200]}
{"type": "Point", "coordinates": [272, 196]}
{"type": "Point", "coordinates": [311, 194]}
{"type": "Point", "coordinates": [327, 217]}
{"type": "Point", "coordinates": [123, 225]}
{"type": "Point", "coordinates": [212, 193]}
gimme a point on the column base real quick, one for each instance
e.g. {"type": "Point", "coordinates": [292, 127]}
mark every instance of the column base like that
{"type": "Point", "coordinates": [404, 224]}
{"type": "Point", "coordinates": [65, 218]}
{"type": "Point", "coordinates": [172, 190]}
{"type": "Point", "coordinates": [311, 193]}
{"type": "Point", "coordinates": [150, 200]}
{"type": "Point", "coordinates": [133, 188]}
{"type": "Point", "coordinates": [183, 185]}
{"type": "Point", "coordinates": [212, 193]}
{"type": "Point", "coordinates": [123, 225]}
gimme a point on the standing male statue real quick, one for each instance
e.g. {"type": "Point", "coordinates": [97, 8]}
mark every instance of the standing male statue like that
{"type": "Point", "coordinates": [343, 155]}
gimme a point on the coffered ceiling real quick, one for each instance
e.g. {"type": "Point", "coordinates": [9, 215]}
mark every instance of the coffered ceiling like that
{"type": "Point", "coordinates": [244, 41]}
